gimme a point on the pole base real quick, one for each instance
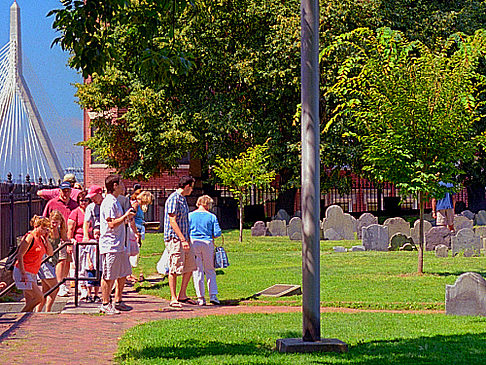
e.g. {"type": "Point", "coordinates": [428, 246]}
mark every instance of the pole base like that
{"type": "Point", "coordinates": [298, 345]}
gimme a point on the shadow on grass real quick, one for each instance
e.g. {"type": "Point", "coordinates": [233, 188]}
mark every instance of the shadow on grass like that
{"type": "Point", "coordinates": [455, 273]}
{"type": "Point", "coordinates": [467, 349]}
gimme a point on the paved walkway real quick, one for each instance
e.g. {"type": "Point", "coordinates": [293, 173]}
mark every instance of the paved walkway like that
{"type": "Point", "coordinates": [68, 338]}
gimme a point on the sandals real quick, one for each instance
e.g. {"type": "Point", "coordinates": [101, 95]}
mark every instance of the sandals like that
{"type": "Point", "coordinates": [188, 301]}
{"type": "Point", "coordinates": [175, 304]}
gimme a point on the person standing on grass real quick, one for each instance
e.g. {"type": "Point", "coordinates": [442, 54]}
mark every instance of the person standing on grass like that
{"type": "Point", "coordinates": [443, 209]}
{"type": "Point", "coordinates": [33, 247]}
{"type": "Point", "coordinates": [204, 228]}
{"type": "Point", "coordinates": [112, 244]}
{"type": "Point", "coordinates": [176, 236]}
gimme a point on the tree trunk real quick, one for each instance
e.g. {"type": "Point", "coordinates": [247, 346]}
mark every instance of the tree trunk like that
{"type": "Point", "coordinates": [420, 268]}
{"type": "Point", "coordinates": [240, 205]}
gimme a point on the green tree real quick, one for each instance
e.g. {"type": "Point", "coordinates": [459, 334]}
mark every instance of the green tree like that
{"type": "Point", "coordinates": [412, 109]}
{"type": "Point", "coordinates": [239, 174]}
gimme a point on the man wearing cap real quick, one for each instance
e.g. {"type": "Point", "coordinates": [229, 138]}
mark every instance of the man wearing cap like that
{"type": "Point", "coordinates": [65, 205]}
{"type": "Point", "coordinates": [49, 194]}
{"type": "Point", "coordinates": [92, 213]}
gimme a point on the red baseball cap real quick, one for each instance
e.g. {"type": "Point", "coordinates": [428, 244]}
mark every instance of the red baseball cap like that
{"type": "Point", "coordinates": [93, 190]}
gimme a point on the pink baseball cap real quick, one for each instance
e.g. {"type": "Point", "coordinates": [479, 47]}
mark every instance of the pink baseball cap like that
{"type": "Point", "coordinates": [93, 190]}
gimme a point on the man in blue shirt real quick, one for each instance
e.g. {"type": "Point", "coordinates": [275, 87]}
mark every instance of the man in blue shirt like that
{"type": "Point", "coordinates": [443, 209]}
{"type": "Point", "coordinates": [176, 237]}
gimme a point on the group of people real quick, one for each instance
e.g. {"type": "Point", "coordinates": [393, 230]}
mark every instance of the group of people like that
{"type": "Point", "coordinates": [74, 215]}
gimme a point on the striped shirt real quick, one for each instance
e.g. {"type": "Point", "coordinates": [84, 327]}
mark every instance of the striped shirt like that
{"type": "Point", "coordinates": [176, 204]}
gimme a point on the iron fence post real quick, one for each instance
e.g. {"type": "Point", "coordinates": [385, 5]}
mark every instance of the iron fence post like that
{"type": "Point", "coordinates": [29, 196]}
{"type": "Point", "coordinates": [11, 188]}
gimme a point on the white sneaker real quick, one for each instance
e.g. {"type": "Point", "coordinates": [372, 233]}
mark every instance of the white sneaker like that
{"type": "Point", "coordinates": [63, 291]}
{"type": "Point", "coordinates": [201, 301]}
{"type": "Point", "coordinates": [108, 309]}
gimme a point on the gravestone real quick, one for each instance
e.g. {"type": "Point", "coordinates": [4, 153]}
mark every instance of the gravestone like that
{"type": "Point", "coordinates": [465, 239]}
{"type": "Point", "coordinates": [467, 297]}
{"type": "Point", "coordinates": [365, 220]}
{"type": "Point", "coordinates": [481, 218]}
{"type": "Point", "coordinates": [277, 228]}
{"type": "Point", "coordinates": [282, 215]}
{"type": "Point", "coordinates": [480, 231]}
{"type": "Point", "coordinates": [342, 223]}
{"type": "Point", "coordinates": [428, 217]}
{"type": "Point", "coordinates": [468, 214]}
{"type": "Point", "coordinates": [415, 231]}
{"type": "Point", "coordinates": [398, 240]}
{"type": "Point", "coordinates": [441, 251]}
{"type": "Point", "coordinates": [295, 229]}
{"type": "Point", "coordinates": [397, 225]}
{"type": "Point", "coordinates": [469, 252]}
{"type": "Point", "coordinates": [259, 229]}
{"type": "Point", "coordinates": [408, 247]}
{"type": "Point", "coordinates": [358, 248]}
{"type": "Point", "coordinates": [331, 235]}
{"type": "Point", "coordinates": [339, 249]}
{"type": "Point", "coordinates": [438, 235]}
{"type": "Point", "coordinates": [375, 238]}
{"type": "Point", "coordinates": [461, 222]}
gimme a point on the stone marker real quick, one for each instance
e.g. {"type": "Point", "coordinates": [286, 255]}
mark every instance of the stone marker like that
{"type": "Point", "coordinates": [398, 240]}
{"type": "Point", "coordinates": [354, 223]}
{"type": "Point", "coordinates": [258, 229]}
{"type": "Point", "coordinates": [480, 231]}
{"type": "Point", "coordinates": [408, 247]}
{"type": "Point", "coordinates": [439, 235]}
{"type": "Point", "coordinates": [365, 220]}
{"type": "Point", "coordinates": [441, 251]}
{"type": "Point", "coordinates": [331, 235]}
{"type": "Point", "coordinates": [342, 223]}
{"type": "Point", "coordinates": [415, 231]}
{"type": "Point", "coordinates": [277, 228]}
{"type": "Point", "coordinates": [339, 249]}
{"type": "Point", "coordinates": [295, 229]}
{"type": "Point", "coordinates": [397, 225]}
{"type": "Point", "coordinates": [358, 248]}
{"type": "Point", "coordinates": [467, 297]}
{"type": "Point", "coordinates": [375, 238]}
{"type": "Point", "coordinates": [465, 239]}
{"type": "Point", "coordinates": [282, 215]}
{"type": "Point", "coordinates": [469, 252]}
{"type": "Point", "coordinates": [481, 218]}
{"type": "Point", "coordinates": [468, 214]}
{"type": "Point", "coordinates": [461, 222]}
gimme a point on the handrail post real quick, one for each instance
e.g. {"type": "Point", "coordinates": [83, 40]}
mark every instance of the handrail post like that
{"type": "Point", "coordinates": [11, 188]}
{"type": "Point", "coordinates": [76, 273]}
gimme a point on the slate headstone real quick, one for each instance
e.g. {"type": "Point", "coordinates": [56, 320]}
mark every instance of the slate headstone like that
{"type": "Point", "coordinates": [398, 240]}
{"type": "Point", "coordinates": [259, 229]}
{"type": "Point", "coordinates": [277, 228]}
{"type": "Point", "coordinates": [461, 222]}
{"type": "Point", "coordinates": [375, 238]}
{"type": "Point", "coordinates": [365, 220]}
{"type": "Point", "coordinates": [468, 214]}
{"type": "Point", "coordinates": [397, 225]}
{"type": "Point", "coordinates": [342, 223]}
{"type": "Point", "coordinates": [465, 239]}
{"type": "Point", "coordinates": [415, 231]}
{"type": "Point", "coordinates": [481, 218]}
{"type": "Point", "coordinates": [439, 235]}
{"type": "Point", "coordinates": [282, 215]}
{"type": "Point", "coordinates": [480, 231]}
{"type": "Point", "coordinates": [467, 297]}
{"type": "Point", "coordinates": [295, 229]}
{"type": "Point", "coordinates": [331, 235]}
{"type": "Point", "coordinates": [441, 251]}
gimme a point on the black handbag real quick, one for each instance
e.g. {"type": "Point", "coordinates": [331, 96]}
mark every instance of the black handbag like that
{"type": "Point", "coordinates": [12, 255]}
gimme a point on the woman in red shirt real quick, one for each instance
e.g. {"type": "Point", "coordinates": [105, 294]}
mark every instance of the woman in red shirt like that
{"type": "Point", "coordinates": [33, 247]}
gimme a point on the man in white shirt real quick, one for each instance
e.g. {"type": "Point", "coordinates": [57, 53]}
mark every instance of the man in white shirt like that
{"type": "Point", "coordinates": [112, 243]}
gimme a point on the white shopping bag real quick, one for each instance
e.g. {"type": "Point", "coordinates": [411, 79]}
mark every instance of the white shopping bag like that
{"type": "Point", "coordinates": [163, 264]}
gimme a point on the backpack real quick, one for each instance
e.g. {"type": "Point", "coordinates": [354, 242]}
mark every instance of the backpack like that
{"type": "Point", "coordinates": [12, 255]}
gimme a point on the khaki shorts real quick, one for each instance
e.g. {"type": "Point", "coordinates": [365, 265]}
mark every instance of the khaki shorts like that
{"type": "Point", "coordinates": [180, 261]}
{"type": "Point", "coordinates": [63, 255]}
{"type": "Point", "coordinates": [115, 265]}
{"type": "Point", "coordinates": [445, 217]}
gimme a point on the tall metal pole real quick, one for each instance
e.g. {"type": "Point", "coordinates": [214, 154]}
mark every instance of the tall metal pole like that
{"type": "Point", "coordinates": [310, 170]}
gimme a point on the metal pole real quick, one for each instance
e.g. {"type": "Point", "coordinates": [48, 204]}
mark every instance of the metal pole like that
{"type": "Point", "coordinates": [310, 170]}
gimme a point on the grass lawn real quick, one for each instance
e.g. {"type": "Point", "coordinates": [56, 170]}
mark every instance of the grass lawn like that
{"type": "Point", "coordinates": [354, 279]}
{"type": "Point", "coordinates": [373, 338]}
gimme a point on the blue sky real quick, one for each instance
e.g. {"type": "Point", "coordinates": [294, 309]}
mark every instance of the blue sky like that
{"type": "Point", "coordinates": [49, 66]}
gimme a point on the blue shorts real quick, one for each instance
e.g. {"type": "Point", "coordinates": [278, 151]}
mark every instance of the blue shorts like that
{"type": "Point", "coordinates": [92, 274]}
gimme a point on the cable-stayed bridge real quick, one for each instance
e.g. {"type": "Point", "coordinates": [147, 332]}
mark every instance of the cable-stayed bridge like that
{"type": "Point", "coordinates": [25, 145]}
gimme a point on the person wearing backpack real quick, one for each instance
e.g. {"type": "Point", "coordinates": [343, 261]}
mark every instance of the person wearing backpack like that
{"type": "Point", "coordinates": [32, 248]}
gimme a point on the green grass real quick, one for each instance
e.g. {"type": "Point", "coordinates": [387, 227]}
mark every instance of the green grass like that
{"type": "Point", "coordinates": [373, 338]}
{"type": "Point", "coordinates": [380, 280]}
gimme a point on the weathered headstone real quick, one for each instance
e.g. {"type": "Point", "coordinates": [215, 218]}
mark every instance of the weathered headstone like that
{"type": "Point", "coordinates": [295, 229]}
{"type": "Point", "coordinates": [467, 297]}
{"type": "Point", "coordinates": [375, 238]}
{"type": "Point", "coordinates": [461, 222]}
{"type": "Point", "coordinates": [259, 229]}
{"type": "Point", "coordinates": [439, 235]}
{"type": "Point", "coordinates": [415, 231]}
{"type": "Point", "coordinates": [481, 218]}
{"type": "Point", "coordinates": [480, 231]}
{"type": "Point", "coordinates": [408, 247]}
{"type": "Point", "coordinates": [428, 217]}
{"type": "Point", "coordinates": [339, 249]}
{"type": "Point", "coordinates": [469, 252]}
{"type": "Point", "coordinates": [441, 251]}
{"type": "Point", "coordinates": [342, 223]}
{"type": "Point", "coordinates": [277, 228]}
{"type": "Point", "coordinates": [282, 215]}
{"type": "Point", "coordinates": [398, 240]}
{"type": "Point", "coordinates": [468, 214]}
{"type": "Point", "coordinates": [331, 235]}
{"type": "Point", "coordinates": [358, 248]}
{"type": "Point", "coordinates": [464, 239]}
{"type": "Point", "coordinates": [397, 225]}
{"type": "Point", "coordinates": [353, 221]}
{"type": "Point", "coordinates": [365, 220]}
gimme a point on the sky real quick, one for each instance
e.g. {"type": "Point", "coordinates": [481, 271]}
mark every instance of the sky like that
{"type": "Point", "coordinates": [50, 67]}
